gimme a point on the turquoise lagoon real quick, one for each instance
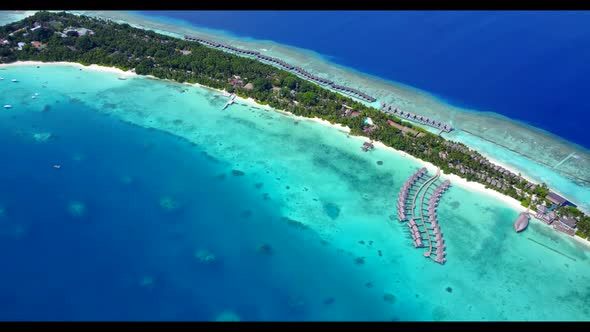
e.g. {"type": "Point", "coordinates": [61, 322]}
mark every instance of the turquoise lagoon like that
{"type": "Point", "coordinates": [155, 179]}
{"type": "Point", "coordinates": [526, 149]}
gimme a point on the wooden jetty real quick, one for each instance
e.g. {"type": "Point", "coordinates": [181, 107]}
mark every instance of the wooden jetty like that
{"type": "Point", "coordinates": [230, 101]}
{"type": "Point", "coordinates": [423, 225]}
{"type": "Point", "coordinates": [367, 146]}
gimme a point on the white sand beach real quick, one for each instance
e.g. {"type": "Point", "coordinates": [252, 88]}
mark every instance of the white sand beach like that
{"type": "Point", "coordinates": [73, 64]}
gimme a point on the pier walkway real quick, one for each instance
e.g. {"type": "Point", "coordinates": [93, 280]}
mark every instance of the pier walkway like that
{"type": "Point", "coordinates": [423, 192]}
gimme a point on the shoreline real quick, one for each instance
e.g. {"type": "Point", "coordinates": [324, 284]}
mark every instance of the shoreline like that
{"type": "Point", "coordinates": [474, 186]}
{"type": "Point", "coordinates": [92, 67]}
{"type": "Point", "coordinates": [469, 185]}
{"type": "Point", "coordinates": [408, 97]}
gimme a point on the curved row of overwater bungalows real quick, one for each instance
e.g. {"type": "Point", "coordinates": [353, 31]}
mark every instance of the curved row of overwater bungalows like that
{"type": "Point", "coordinates": [405, 208]}
{"type": "Point", "coordinates": [284, 65]}
{"type": "Point", "coordinates": [415, 117]}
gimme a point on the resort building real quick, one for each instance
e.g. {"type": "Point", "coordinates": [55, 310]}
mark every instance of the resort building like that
{"type": "Point", "coordinates": [545, 215]}
{"type": "Point", "coordinates": [557, 200]}
{"type": "Point", "coordinates": [566, 225]}
{"type": "Point", "coordinates": [81, 31]}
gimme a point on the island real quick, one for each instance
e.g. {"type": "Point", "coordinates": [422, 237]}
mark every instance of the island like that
{"type": "Point", "coordinates": [52, 37]}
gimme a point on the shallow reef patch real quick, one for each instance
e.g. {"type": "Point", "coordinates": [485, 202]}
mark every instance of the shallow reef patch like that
{"type": "Point", "coordinates": [169, 204]}
{"type": "Point", "coordinates": [227, 316]}
{"type": "Point", "coordinates": [389, 298]}
{"type": "Point", "coordinates": [77, 208]}
{"type": "Point", "coordinates": [237, 172]}
{"type": "Point", "coordinates": [332, 210]}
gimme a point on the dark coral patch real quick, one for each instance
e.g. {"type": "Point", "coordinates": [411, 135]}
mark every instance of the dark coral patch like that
{"type": "Point", "coordinates": [237, 172]}
{"type": "Point", "coordinates": [265, 249]}
{"type": "Point", "coordinates": [332, 210]}
{"type": "Point", "coordinates": [329, 300]}
{"type": "Point", "coordinates": [389, 298]}
{"type": "Point", "coordinates": [295, 223]}
{"type": "Point", "coordinates": [379, 163]}
{"type": "Point", "coordinates": [246, 214]}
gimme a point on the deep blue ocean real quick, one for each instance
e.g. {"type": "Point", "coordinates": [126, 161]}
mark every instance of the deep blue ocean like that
{"type": "Point", "coordinates": [126, 256]}
{"type": "Point", "coordinates": [525, 65]}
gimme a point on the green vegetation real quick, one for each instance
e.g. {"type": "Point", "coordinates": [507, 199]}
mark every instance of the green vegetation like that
{"type": "Point", "coordinates": [150, 53]}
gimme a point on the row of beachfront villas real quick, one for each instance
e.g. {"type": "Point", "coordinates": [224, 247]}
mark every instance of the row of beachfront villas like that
{"type": "Point", "coordinates": [284, 65]}
{"type": "Point", "coordinates": [312, 77]}
{"type": "Point", "coordinates": [354, 92]}
{"type": "Point", "coordinates": [202, 40]}
{"type": "Point", "coordinates": [415, 117]}
{"type": "Point", "coordinates": [275, 61]}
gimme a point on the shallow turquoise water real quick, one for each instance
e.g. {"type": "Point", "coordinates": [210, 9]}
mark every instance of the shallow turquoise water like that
{"type": "Point", "coordinates": [543, 150]}
{"type": "Point", "coordinates": [293, 169]}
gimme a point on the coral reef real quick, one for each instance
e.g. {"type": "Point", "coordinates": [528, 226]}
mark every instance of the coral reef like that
{"type": "Point", "coordinates": [42, 137]}
{"type": "Point", "coordinates": [169, 204]}
{"type": "Point", "coordinates": [359, 260]}
{"type": "Point", "coordinates": [265, 249]}
{"type": "Point", "coordinates": [126, 179]}
{"type": "Point", "coordinates": [389, 298]}
{"type": "Point", "coordinates": [332, 210]}
{"type": "Point", "coordinates": [147, 282]}
{"type": "Point", "coordinates": [78, 156]}
{"type": "Point", "coordinates": [296, 304]}
{"type": "Point", "coordinates": [205, 256]}
{"type": "Point", "coordinates": [227, 316]}
{"type": "Point", "coordinates": [77, 208]}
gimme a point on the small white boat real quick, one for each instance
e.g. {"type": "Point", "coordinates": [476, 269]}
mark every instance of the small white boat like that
{"type": "Point", "coordinates": [14, 80]}
{"type": "Point", "coordinates": [36, 93]}
{"type": "Point", "coordinates": [1, 78]}
{"type": "Point", "coordinates": [7, 106]}
{"type": "Point", "coordinates": [33, 97]}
